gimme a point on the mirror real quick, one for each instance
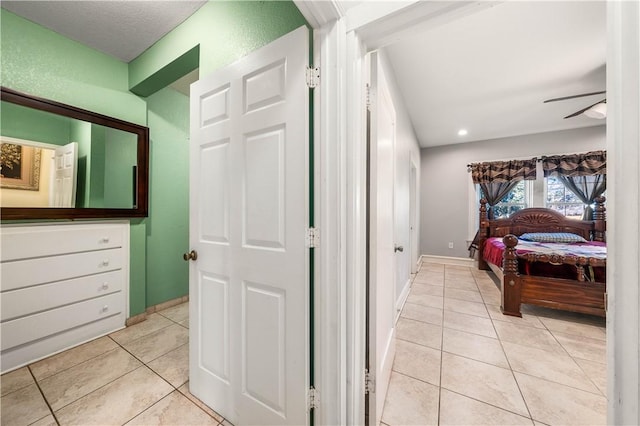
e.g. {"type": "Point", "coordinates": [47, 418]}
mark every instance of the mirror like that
{"type": "Point", "coordinates": [62, 162]}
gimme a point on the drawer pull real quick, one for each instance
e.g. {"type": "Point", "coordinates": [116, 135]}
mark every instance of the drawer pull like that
{"type": "Point", "coordinates": [104, 240]}
{"type": "Point", "coordinates": [105, 308]}
{"type": "Point", "coordinates": [105, 263]}
{"type": "Point", "coordinates": [105, 286]}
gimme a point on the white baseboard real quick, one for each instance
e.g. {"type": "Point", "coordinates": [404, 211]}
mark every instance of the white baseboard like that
{"type": "Point", "coordinates": [403, 298]}
{"type": "Point", "coordinates": [447, 260]}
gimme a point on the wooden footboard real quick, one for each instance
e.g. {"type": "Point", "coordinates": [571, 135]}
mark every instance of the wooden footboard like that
{"type": "Point", "coordinates": [573, 295]}
{"type": "Point", "coordinates": [587, 298]}
{"type": "Point", "coordinates": [570, 295]}
{"type": "Point", "coordinates": [512, 281]}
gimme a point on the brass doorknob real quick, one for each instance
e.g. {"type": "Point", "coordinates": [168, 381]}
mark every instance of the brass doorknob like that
{"type": "Point", "coordinates": [193, 255]}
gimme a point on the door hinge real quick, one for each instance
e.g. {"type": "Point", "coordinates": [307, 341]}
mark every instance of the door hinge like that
{"type": "Point", "coordinates": [313, 77]}
{"type": "Point", "coordinates": [606, 302]}
{"type": "Point", "coordinates": [369, 382]}
{"type": "Point", "coordinates": [313, 237]}
{"type": "Point", "coordinates": [368, 97]}
{"type": "Point", "coordinates": [313, 399]}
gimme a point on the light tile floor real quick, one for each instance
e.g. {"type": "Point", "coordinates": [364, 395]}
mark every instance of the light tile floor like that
{"type": "Point", "coordinates": [135, 376]}
{"type": "Point", "coordinates": [459, 361]}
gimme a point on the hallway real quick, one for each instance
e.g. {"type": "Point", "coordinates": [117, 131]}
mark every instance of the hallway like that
{"type": "Point", "coordinates": [459, 361]}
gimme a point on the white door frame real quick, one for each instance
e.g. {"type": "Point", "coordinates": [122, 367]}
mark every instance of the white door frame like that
{"type": "Point", "coordinates": [413, 216]}
{"type": "Point", "coordinates": [623, 137]}
{"type": "Point", "coordinates": [339, 136]}
{"type": "Point", "coordinates": [383, 259]}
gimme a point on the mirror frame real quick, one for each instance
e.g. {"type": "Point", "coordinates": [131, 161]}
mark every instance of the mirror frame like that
{"type": "Point", "coordinates": [141, 209]}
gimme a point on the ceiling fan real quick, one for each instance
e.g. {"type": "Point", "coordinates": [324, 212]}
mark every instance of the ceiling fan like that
{"type": "Point", "coordinates": [597, 110]}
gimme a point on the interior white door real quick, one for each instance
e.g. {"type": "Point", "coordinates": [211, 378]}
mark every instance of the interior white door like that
{"type": "Point", "coordinates": [382, 262]}
{"type": "Point", "coordinates": [413, 213]}
{"type": "Point", "coordinates": [249, 204]}
{"type": "Point", "coordinates": [62, 192]}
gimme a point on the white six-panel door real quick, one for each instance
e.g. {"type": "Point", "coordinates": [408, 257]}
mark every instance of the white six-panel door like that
{"type": "Point", "coordinates": [249, 204]}
{"type": "Point", "coordinates": [64, 172]}
{"type": "Point", "coordinates": [382, 262]}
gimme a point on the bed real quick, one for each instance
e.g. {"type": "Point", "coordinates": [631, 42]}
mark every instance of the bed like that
{"type": "Point", "coordinates": [543, 274]}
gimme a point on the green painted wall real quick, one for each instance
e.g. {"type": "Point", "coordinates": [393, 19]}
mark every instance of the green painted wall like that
{"type": "Point", "coordinates": [97, 166]}
{"type": "Point", "coordinates": [216, 35]}
{"type": "Point", "coordinates": [21, 122]}
{"type": "Point", "coordinates": [120, 157]}
{"type": "Point", "coordinates": [168, 225]}
{"type": "Point", "coordinates": [38, 61]}
{"type": "Point", "coordinates": [224, 31]}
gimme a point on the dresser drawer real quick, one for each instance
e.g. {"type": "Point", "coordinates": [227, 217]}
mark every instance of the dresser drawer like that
{"type": "Point", "coordinates": [25, 301]}
{"type": "Point", "coordinates": [28, 329]}
{"type": "Point", "coordinates": [25, 242]}
{"type": "Point", "coordinates": [30, 272]}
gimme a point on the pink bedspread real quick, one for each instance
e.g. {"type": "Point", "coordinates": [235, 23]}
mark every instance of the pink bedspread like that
{"type": "Point", "coordinates": [494, 249]}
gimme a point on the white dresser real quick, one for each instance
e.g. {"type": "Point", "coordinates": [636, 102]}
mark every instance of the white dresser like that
{"type": "Point", "coordinates": [61, 285]}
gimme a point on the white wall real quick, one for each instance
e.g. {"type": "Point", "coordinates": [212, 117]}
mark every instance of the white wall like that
{"type": "Point", "coordinates": [407, 151]}
{"type": "Point", "coordinates": [444, 195]}
{"type": "Point", "coordinates": [623, 144]}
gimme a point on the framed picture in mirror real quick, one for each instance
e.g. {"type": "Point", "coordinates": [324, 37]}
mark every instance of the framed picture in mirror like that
{"type": "Point", "coordinates": [19, 166]}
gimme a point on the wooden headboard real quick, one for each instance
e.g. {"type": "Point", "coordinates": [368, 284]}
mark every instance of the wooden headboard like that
{"type": "Point", "coordinates": [539, 220]}
{"type": "Point", "coordinates": [543, 220]}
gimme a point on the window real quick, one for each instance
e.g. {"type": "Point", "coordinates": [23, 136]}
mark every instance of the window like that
{"type": "Point", "coordinates": [562, 199]}
{"type": "Point", "coordinates": [516, 199]}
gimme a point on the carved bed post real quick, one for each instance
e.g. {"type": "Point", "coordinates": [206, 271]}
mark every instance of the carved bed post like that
{"type": "Point", "coordinates": [511, 285]}
{"type": "Point", "coordinates": [483, 232]}
{"type": "Point", "coordinates": [600, 220]}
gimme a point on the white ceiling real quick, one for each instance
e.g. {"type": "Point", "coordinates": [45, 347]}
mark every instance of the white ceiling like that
{"type": "Point", "coordinates": [123, 29]}
{"type": "Point", "coordinates": [487, 72]}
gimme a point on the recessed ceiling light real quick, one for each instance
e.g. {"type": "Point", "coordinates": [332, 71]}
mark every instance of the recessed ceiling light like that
{"type": "Point", "coordinates": [462, 132]}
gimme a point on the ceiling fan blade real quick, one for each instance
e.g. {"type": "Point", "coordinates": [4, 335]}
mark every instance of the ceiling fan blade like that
{"type": "Point", "coordinates": [574, 96]}
{"type": "Point", "coordinates": [584, 109]}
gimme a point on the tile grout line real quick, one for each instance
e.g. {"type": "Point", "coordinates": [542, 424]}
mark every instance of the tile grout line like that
{"type": "Point", "coordinates": [177, 388]}
{"type": "Point", "coordinates": [487, 403]}
{"type": "Point", "coordinates": [149, 407]}
{"type": "Point", "coordinates": [600, 393]}
{"type": "Point", "coordinates": [560, 384]}
{"type": "Point", "coordinates": [66, 350]}
{"type": "Point", "coordinates": [486, 299]}
{"type": "Point", "coordinates": [142, 364]}
{"type": "Point", "coordinates": [441, 349]}
{"type": "Point", "coordinates": [588, 376]}
{"type": "Point", "coordinates": [147, 335]}
{"type": "Point", "coordinates": [144, 335]}
{"type": "Point", "coordinates": [157, 374]}
{"type": "Point", "coordinates": [573, 359]}
{"type": "Point", "coordinates": [200, 408]}
{"type": "Point", "coordinates": [504, 352]}
{"type": "Point", "coordinates": [100, 387]}
{"type": "Point", "coordinates": [37, 381]}
{"type": "Point", "coordinates": [129, 352]}
{"type": "Point", "coordinates": [53, 414]}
